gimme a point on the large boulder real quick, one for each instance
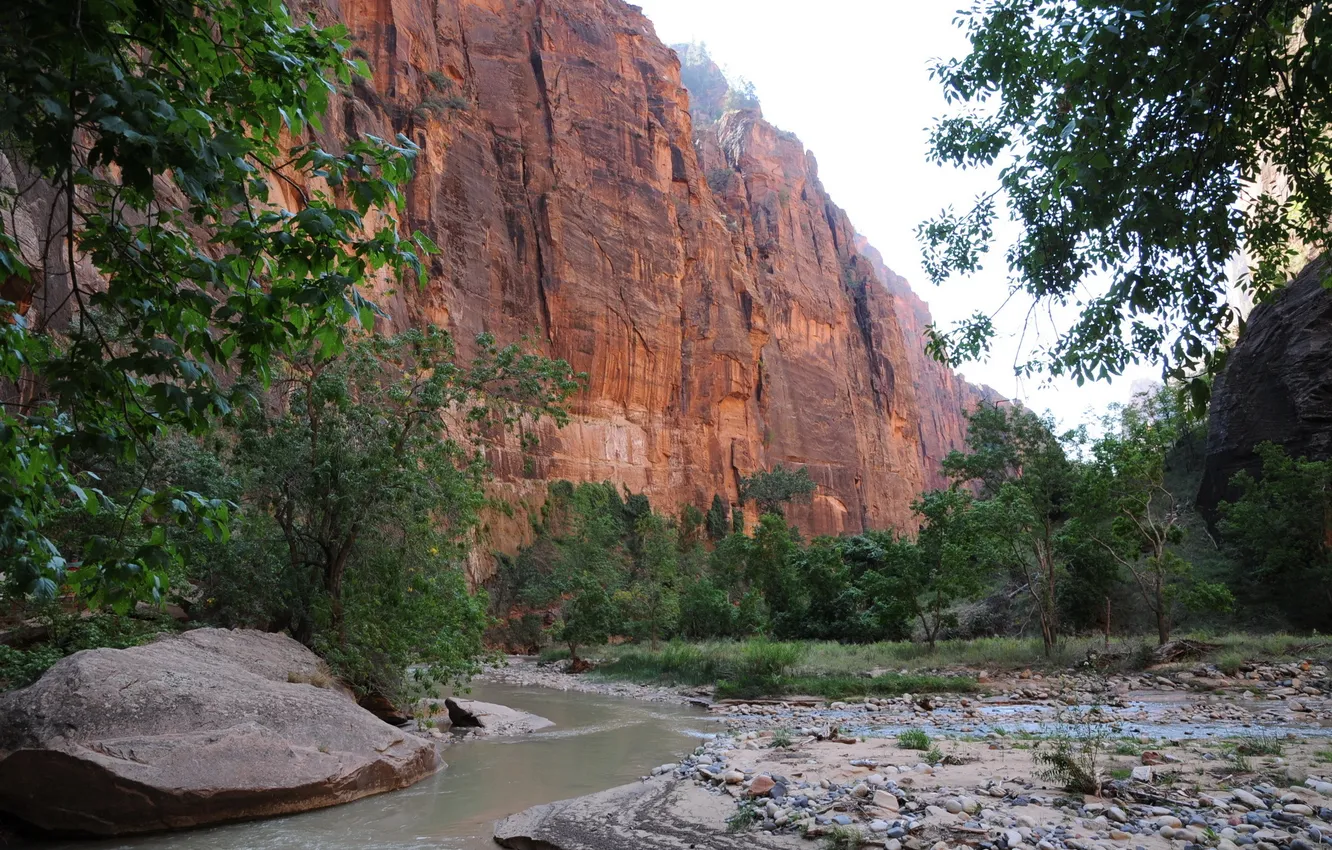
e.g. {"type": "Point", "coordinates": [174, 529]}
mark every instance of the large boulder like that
{"type": "Point", "coordinates": [663, 813]}
{"type": "Point", "coordinates": [487, 718]}
{"type": "Point", "coordinates": [212, 725]}
{"type": "Point", "coordinates": [1277, 386]}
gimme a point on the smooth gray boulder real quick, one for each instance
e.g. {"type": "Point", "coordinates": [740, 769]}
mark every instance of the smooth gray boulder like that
{"type": "Point", "coordinates": [662, 813]}
{"type": "Point", "coordinates": [487, 718]}
{"type": "Point", "coordinates": [212, 725]}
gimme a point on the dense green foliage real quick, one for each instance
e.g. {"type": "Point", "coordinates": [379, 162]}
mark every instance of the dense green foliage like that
{"type": "Point", "coordinates": [1026, 480]}
{"type": "Point", "coordinates": [155, 132]}
{"type": "Point", "coordinates": [1060, 532]}
{"type": "Point", "coordinates": [1279, 531]}
{"type": "Point", "coordinates": [194, 405]}
{"type": "Point", "coordinates": [1140, 147]}
{"type": "Point", "coordinates": [356, 487]}
{"type": "Point", "coordinates": [1126, 506]}
{"type": "Point", "coordinates": [61, 636]}
{"type": "Point", "coordinates": [771, 489]}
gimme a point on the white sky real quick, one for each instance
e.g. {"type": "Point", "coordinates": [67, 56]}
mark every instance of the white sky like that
{"type": "Point", "coordinates": [851, 78]}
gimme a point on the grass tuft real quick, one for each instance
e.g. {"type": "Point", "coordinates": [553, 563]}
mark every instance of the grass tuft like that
{"type": "Point", "coordinates": [1261, 744]}
{"type": "Point", "coordinates": [744, 818]}
{"type": "Point", "coordinates": [843, 838]}
{"type": "Point", "coordinates": [914, 739]}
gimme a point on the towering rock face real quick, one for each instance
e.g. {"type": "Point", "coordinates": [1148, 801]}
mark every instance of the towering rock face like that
{"type": "Point", "coordinates": [1277, 386]}
{"type": "Point", "coordinates": [718, 301]}
{"type": "Point", "coordinates": [943, 396]}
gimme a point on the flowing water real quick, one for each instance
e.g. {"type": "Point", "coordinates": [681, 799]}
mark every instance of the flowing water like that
{"type": "Point", "coordinates": [596, 743]}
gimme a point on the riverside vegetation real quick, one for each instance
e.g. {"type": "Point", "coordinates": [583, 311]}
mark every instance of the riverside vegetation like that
{"type": "Point", "coordinates": [1055, 531]}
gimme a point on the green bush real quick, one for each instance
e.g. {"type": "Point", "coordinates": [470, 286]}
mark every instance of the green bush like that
{"type": "Point", "coordinates": [766, 659]}
{"type": "Point", "coordinates": [705, 612]}
{"type": "Point", "coordinates": [1230, 663]}
{"type": "Point", "coordinates": [914, 739]}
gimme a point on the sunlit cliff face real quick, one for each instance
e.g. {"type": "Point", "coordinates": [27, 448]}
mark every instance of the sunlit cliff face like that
{"type": "Point", "coordinates": [719, 302]}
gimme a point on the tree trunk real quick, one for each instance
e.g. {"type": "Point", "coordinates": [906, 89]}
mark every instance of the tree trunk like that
{"type": "Point", "coordinates": [337, 568]}
{"type": "Point", "coordinates": [1162, 627]}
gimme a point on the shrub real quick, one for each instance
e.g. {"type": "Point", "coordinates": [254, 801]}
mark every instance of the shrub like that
{"type": "Point", "coordinates": [1230, 663]}
{"type": "Point", "coordinates": [762, 659]}
{"type": "Point", "coordinates": [914, 739]}
{"type": "Point", "coordinates": [1261, 744]}
{"type": "Point", "coordinates": [844, 838]}
{"type": "Point", "coordinates": [705, 612]}
{"type": "Point", "coordinates": [70, 634]}
{"type": "Point", "coordinates": [1075, 756]}
{"type": "Point", "coordinates": [744, 818]}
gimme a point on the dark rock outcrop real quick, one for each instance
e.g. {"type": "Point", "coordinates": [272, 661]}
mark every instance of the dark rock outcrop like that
{"type": "Point", "coordinates": [659, 814]}
{"type": "Point", "coordinates": [1277, 386]}
{"type": "Point", "coordinates": [213, 725]}
{"type": "Point", "coordinates": [461, 718]}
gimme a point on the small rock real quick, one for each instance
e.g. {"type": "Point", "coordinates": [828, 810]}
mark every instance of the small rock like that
{"type": "Point", "coordinates": [1142, 773]}
{"type": "Point", "coordinates": [760, 785]}
{"type": "Point", "coordinates": [733, 777]}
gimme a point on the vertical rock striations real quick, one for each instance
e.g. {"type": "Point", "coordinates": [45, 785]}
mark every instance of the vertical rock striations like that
{"type": "Point", "coordinates": [721, 305]}
{"type": "Point", "coordinates": [943, 396]}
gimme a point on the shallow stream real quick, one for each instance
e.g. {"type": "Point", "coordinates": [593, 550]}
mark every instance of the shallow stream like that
{"type": "Point", "coordinates": [596, 743]}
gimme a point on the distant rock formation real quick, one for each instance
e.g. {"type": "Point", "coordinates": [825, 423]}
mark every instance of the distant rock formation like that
{"type": "Point", "coordinates": [697, 271]}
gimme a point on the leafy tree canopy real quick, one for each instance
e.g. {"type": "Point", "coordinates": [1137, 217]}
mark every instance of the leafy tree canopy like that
{"type": "Point", "coordinates": [1280, 530]}
{"type": "Point", "coordinates": [155, 134]}
{"type": "Point", "coordinates": [773, 488]}
{"type": "Point", "coordinates": [1140, 146]}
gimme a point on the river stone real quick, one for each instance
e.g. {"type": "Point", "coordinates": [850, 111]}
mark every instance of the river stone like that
{"type": "Point", "coordinates": [760, 785]}
{"type": "Point", "coordinates": [1248, 798]}
{"type": "Point", "coordinates": [208, 726]}
{"type": "Point", "coordinates": [487, 718]}
{"type": "Point", "coordinates": [663, 813]}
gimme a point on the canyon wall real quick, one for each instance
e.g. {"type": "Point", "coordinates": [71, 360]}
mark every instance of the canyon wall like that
{"type": "Point", "coordinates": [726, 313]}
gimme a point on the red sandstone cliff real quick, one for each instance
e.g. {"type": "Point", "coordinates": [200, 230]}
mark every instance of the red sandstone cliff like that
{"type": "Point", "coordinates": [720, 303]}
{"type": "Point", "coordinates": [942, 394]}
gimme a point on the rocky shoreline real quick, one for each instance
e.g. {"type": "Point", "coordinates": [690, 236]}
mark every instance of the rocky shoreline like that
{"type": "Point", "coordinates": [1170, 761]}
{"type": "Point", "coordinates": [525, 671]}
